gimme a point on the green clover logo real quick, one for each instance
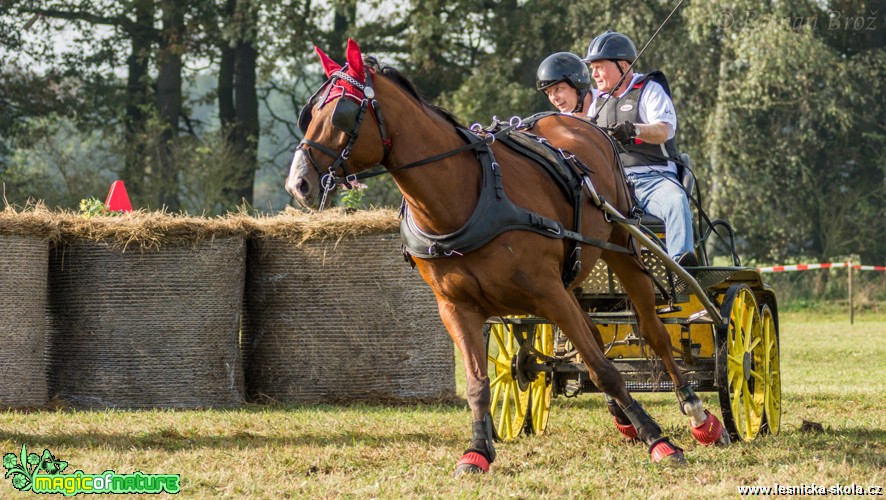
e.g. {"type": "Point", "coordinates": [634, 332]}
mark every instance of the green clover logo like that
{"type": "Point", "coordinates": [24, 467]}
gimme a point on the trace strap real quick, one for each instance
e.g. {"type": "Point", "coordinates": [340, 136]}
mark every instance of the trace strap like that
{"type": "Point", "coordinates": [333, 180]}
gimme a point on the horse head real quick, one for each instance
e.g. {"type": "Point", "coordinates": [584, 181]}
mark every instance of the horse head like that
{"type": "Point", "coordinates": [336, 145]}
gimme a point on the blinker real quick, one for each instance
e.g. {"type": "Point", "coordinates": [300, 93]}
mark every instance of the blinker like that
{"type": "Point", "coordinates": [304, 118]}
{"type": "Point", "coordinates": [344, 116]}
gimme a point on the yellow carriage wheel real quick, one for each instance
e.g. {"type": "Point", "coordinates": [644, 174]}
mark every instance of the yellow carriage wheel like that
{"type": "Point", "coordinates": [541, 389]}
{"type": "Point", "coordinates": [772, 400]}
{"type": "Point", "coordinates": [741, 366]}
{"type": "Point", "coordinates": [508, 404]}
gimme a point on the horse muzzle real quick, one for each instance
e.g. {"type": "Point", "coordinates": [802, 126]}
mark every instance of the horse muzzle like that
{"type": "Point", "coordinates": [303, 183]}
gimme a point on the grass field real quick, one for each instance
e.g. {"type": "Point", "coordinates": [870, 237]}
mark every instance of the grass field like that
{"type": "Point", "coordinates": [833, 374]}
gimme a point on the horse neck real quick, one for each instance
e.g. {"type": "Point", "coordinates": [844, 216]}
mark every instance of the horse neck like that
{"type": "Point", "coordinates": [441, 195]}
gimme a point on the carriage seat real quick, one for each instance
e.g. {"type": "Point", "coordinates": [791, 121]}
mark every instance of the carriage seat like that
{"type": "Point", "coordinates": [687, 178]}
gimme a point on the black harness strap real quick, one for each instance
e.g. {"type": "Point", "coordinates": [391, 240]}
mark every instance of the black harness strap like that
{"type": "Point", "coordinates": [568, 173]}
{"type": "Point", "coordinates": [494, 214]}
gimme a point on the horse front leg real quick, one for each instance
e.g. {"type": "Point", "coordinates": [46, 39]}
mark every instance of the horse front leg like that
{"type": "Point", "coordinates": [706, 428]}
{"type": "Point", "coordinates": [465, 328]}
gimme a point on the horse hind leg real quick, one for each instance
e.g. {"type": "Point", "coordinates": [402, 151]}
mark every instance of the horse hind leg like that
{"type": "Point", "coordinates": [705, 427]}
{"type": "Point", "coordinates": [585, 337]}
{"type": "Point", "coordinates": [622, 422]}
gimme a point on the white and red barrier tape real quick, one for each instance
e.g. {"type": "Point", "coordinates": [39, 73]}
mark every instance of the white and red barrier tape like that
{"type": "Point", "coordinates": [824, 265]}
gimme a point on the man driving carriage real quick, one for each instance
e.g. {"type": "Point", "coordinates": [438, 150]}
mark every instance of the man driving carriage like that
{"type": "Point", "coordinates": [639, 115]}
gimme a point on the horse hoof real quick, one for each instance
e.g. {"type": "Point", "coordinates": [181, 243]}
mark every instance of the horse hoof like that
{"type": "Point", "coordinates": [663, 449]}
{"type": "Point", "coordinates": [472, 463]}
{"type": "Point", "coordinates": [711, 431]}
{"type": "Point", "coordinates": [724, 439]}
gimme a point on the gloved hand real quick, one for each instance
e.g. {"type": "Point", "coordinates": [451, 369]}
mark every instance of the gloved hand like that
{"type": "Point", "coordinates": [624, 132]}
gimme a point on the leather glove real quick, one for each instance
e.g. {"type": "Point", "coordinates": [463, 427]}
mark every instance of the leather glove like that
{"type": "Point", "coordinates": [624, 132]}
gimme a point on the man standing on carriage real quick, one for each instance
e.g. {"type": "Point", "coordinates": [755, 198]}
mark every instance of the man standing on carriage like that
{"type": "Point", "coordinates": [641, 118]}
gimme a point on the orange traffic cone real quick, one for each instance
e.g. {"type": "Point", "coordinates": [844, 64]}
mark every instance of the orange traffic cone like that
{"type": "Point", "coordinates": [118, 200]}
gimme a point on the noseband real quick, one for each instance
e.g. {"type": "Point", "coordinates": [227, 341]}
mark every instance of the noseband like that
{"type": "Point", "coordinates": [348, 115]}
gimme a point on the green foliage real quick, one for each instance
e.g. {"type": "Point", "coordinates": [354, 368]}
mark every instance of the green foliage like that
{"type": "Point", "coordinates": [353, 198]}
{"type": "Point", "coordinates": [828, 289]}
{"type": "Point", "coordinates": [56, 163]}
{"type": "Point", "coordinates": [789, 175]}
{"type": "Point", "coordinates": [90, 207]}
{"type": "Point", "coordinates": [780, 103]}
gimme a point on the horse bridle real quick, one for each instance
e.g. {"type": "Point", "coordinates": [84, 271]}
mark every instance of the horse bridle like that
{"type": "Point", "coordinates": [347, 116]}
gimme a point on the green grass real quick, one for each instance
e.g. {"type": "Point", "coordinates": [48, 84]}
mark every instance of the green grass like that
{"type": "Point", "coordinates": [833, 374]}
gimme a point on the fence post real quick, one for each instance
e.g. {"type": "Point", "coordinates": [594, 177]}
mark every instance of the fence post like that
{"type": "Point", "coordinates": [851, 304]}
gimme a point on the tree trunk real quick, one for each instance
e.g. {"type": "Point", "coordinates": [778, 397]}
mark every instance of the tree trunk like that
{"type": "Point", "coordinates": [246, 130]}
{"type": "Point", "coordinates": [137, 96]}
{"type": "Point", "coordinates": [169, 101]}
{"type": "Point", "coordinates": [344, 14]}
{"type": "Point", "coordinates": [226, 77]}
{"type": "Point", "coordinates": [238, 105]}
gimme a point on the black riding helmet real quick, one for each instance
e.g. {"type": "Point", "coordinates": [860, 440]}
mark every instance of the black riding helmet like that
{"type": "Point", "coordinates": [612, 46]}
{"type": "Point", "coordinates": [564, 67]}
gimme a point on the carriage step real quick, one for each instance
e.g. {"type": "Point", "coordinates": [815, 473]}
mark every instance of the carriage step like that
{"type": "Point", "coordinates": [700, 317]}
{"type": "Point", "coordinates": [629, 318]}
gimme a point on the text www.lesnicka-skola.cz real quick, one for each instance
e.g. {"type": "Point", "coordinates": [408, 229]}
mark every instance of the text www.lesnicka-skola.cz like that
{"type": "Point", "coordinates": [812, 489]}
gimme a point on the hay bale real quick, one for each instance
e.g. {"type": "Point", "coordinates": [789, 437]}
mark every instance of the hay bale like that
{"type": "Point", "coordinates": [339, 317]}
{"type": "Point", "coordinates": [22, 318]}
{"type": "Point", "coordinates": [155, 326]}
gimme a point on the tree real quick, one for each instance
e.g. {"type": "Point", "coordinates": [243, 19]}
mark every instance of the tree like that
{"type": "Point", "coordinates": [238, 97]}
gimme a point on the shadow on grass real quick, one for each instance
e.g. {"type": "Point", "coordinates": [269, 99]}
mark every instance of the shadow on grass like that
{"type": "Point", "coordinates": [859, 446]}
{"type": "Point", "coordinates": [172, 436]}
{"type": "Point", "coordinates": [171, 440]}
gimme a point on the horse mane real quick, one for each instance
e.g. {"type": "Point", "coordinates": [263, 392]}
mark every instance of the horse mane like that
{"type": "Point", "coordinates": [404, 83]}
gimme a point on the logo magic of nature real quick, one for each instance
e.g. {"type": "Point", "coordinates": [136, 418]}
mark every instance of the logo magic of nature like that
{"type": "Point", "coordinates": [44, 474]}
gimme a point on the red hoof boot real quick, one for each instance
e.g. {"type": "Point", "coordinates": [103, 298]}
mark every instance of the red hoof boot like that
{"type": "Point", "coordinates": [628, 431]}
{"type": "Point", "coordinates": [711, 431]}
{"type": "Point", "coordinates": [472, 463]}
{"type": "Point", "coordinates": [663, 449]}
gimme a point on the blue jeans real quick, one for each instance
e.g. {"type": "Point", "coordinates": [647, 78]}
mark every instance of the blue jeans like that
{"type": "Point", "coordinates": [660, 194]}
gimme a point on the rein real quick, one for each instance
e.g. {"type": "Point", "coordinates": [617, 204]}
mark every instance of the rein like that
{"type": "Point", "coordinates": [489, 138]}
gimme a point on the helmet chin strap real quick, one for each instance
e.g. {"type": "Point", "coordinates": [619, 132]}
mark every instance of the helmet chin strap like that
{"type": "Point", "coordinates": [580, 103]}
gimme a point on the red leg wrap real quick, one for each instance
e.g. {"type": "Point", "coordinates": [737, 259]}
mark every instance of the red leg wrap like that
{"type": "Point", "coordinates": [663, 449]}
{"type": "Point", "coordinates": [475, 459]}
{"type": "Point", "coordinates": [628, 431]}
{"type": "Point", "coordinates": [709, 431]}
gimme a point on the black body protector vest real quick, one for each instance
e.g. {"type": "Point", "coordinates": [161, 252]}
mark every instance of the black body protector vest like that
{"type": "Point", "coordinates": [611, 112]}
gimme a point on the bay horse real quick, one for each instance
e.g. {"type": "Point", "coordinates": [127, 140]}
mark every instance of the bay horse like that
{"type": "Point", "coordinates": [511, 272]}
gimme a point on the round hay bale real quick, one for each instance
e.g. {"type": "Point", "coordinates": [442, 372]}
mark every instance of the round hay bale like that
{"type": "Point", "coordinates": [341, 320]}
{"type": "Point", "coordinates": [23, 320]}
{"type": "Point", "coordinates": [154, 327]}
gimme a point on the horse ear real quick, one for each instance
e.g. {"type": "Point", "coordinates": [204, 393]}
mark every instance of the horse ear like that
{"type": "Point", "coordinates": [355, 61]}
{"type": "Point", "coordinates": [329, 66]}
